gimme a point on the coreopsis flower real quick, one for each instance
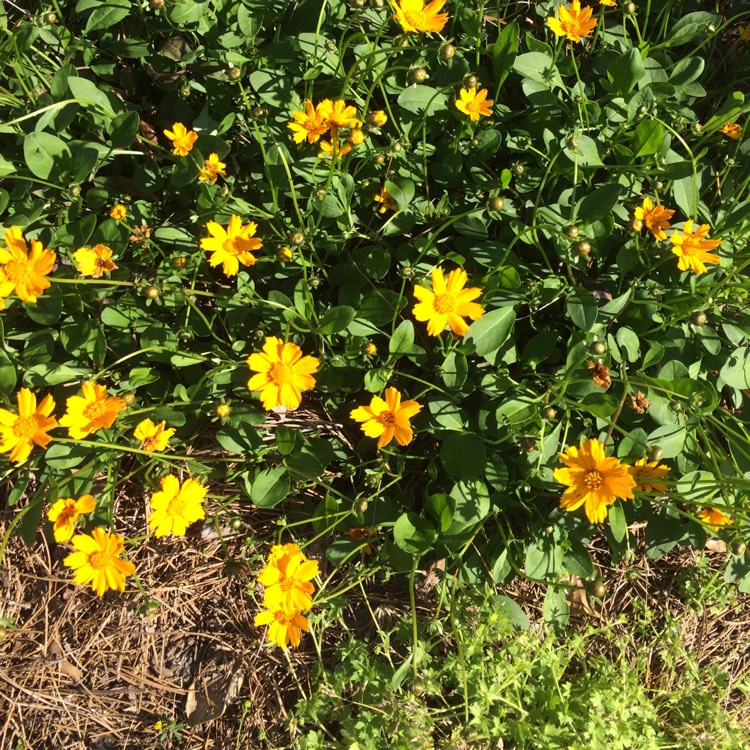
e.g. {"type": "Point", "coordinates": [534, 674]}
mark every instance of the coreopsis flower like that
{"type": "Point", "coordinates": [377, 119]}
{"type": "Point", "coordinates": [153, 437]}
{"type": "Point", "coordinates": [233, 245]}
{"type": "Point", "coordinates": [283, 373]}
{"type": "Point", "coordinates": [176, 506]}
{"type": "Point", "coordinates": [182, 139]}
{"type": "Point", "coordinates": [732, 129]}
{"type": "Point", "coordinates": [744, 32]}
{"type": "Point", "coordinates": [94, 261]}
{"type": "Point", "coordinates": [22, 271]}
{"type": "Point", "coordinates": [448, 303]}
{"type": "Point", "coordinates": [600, 375]}
{"type": "Point", "coordinates": [212, 168]}
{"type": "Point", "coordinates": [333, 150]}
{"type": "Point", "coordinates": [389, 418]}
{"type": "Point", "coordinates": [593, 479]}
{"type": "Point", "coordinates": [692, 249]}
{"type": "Point", "coordinates": [97, 561]}
{"type": "Point", "coordinates": [608, 3]}
{"type": "Point", "coordinates": [572, 22]}
{"type": "Point", "coordinates": [65, 512]}
{"type": "Point", "coordinates": [385, 199]}
{"type": "Point", "coordinates": [646, 475]}
{"type": "Point", "coordinates": [310, 124]}
{"type": "Point", "coordinates": [287, 582]}
{"type": "Point", "coordinates": [285, 627]}
{"type": "Point", "coordinates": [414, 16]}
{"type": "Point", "coordinates": [656, 218]}
{"type": "Point", "coordinates": [357, 137]}
{"type": "Point", "coordinates": [19, 433]}
{"type": "Point", "coordinates": [474, 103]}
{"type": "Point", "coordinates": [90, 412]}
{"type": "Point", "coordinates": [714, 518]}
{"type": "Point", "coordinates": [118, 212]}
{"type": "Point", "coordinates": [339, 114]}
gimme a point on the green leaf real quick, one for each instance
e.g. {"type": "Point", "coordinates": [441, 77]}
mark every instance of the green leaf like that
{"type": "Point", "coordinates": [413, 534]}
{"type": "Point", "coordinates": [539, 67]}
{"type": "Point", "coordinates": [423, 100]}
{"type": "Point", "coordinates": [108, 13]}
{"type": "Point", "coordinates": [599, 202]}
{"type": "Point", "coordinates": [555, 609]}
{"type": "Point", "coordinates": [305, 465]}
{"type": "Point", "coordinates": [617, 522]}
{"type": "Point", "coordinates": [543, 559]}
{"type": "Point", "coordinates": [647, 138]}
{"type": "Point", "coordinates": [402, 341]}
{"type": "Point", "coordinates": [473, 225]}
{"type": "Point", "coordinates": [123, 129]}
{"type": "Point", "coordinates": [601, 405]}
{"type": "Point", "coordinates": [8, 375]}
{"type": "Point", "coordinates": [503, 53]}
{"type": "Point", "coordinates": [401, 190]}
{"type": "Point", "coordinates": [581, 308]}
{"type": "Point", "coordinates": [270, 487]}
{"type": "Point", "coordinates": [736, 370]}
{"type": "Point", "coordinates": [491, 331]}
{"type": "Point", "coordinates": [272, 87]}
{"type": "Point", "coordinates": [463, 455]}
{"type": "Point", "coordinates": [691, 25]}
{"type": "Point", "coordinates": [336, 319]}
{"type": "Point", "coordinates": [628, 71]}
{"type": "Point", "coordinates": [628, 340]}
{"type": "Point", "coordinates": [517, 616]}
{"type": "Point", "coordinates": [455, 370]}
{"type": "Point", "coordinates": [686, 71]}
{"type": "Point", "coordinates": [87, 93]}
{"type": "Point", "coordinates": [728, 112]}
{"type": "Point", "coordinates": [577, 560]}
{"type": "Point", "coordinates": [43, 153]}
{"type": "Point", "coordinates": [377, 379]}
{"type": "Point", "coordinates": [471, 504]}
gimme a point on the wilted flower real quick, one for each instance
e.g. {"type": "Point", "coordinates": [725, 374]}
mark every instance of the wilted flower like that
{"type": "Point", "coordinates": [733, 130]}
{"type": "Point", "coordinates": [639, 403]}
{"type": "Point", "coordinates": [118, 212]}
{"type": "Point", "coordinates": [600, 375]}
{"type": "Point", "coordinates": [385, 199]}
{"type": "Point", "coordinates": [714, 518]}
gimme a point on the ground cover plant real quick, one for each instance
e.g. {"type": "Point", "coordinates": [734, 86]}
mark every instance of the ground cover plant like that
{"type": "Point", "coordinates": [398, 333]}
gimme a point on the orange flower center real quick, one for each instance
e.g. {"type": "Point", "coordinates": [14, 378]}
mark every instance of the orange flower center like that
{"type": "Point", "coordinates": [280, 374]}
{"type": "Point", "coordinates": [232, 246]}
{"type": "Point", "coordinates": [25, 427]}
{"type": "Point", "coordinates": [18, 271]}
{"type": "Point", "coordinates": [287, 585]}
{"type": "Point", "coordinates": [149, 443]}
{"type": "Point", "coordinates": [283, 618]}
{"type": "Point", "coordinates": [176, 506]}
{"type": "Point", "coordinates": [444, 303]}
{"type": "Point", "coordinates": [100, 263]}
{"type": "Point", "coordinates": [593, 479]}
{"type": "Point", "coordinates": [387, 418]}
{"type": "Point", "coordinates": [416, 18]}
{"type": "Point", "coordinates": [473, 106]}
{"type": "Point", "coordinates": [100, 560]}
{"type": "Point", "coordinates": [95, 411]}
{"type": "Point", "coordinates": [67, 514]}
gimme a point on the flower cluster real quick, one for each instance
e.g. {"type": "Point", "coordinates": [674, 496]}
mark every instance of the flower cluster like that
{"type": "Point", "coordinates": [329, 117]}
{"type": "Point", "coordinates": [288, 593]}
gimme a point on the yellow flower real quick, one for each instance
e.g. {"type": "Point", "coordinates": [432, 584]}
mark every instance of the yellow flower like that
{"type": "Point", "coordinates": [20, 432]}
{"type": "Point", "coordinates": [153, 437]}
{"type": "Point", "coordinates": [175, 507]}
{"type": "Point", "coordinates": [594, 480]}
{"type": "Point", "coordinates": [656, 218]}
{"type": "Point", "coordinates": [285, 254]}
{"type": "Point", "coordinates": [733, 130]}
{"type": "Point", "coordinates": [415, 16]}
{"type": "Point", "coordinates": [285, 627]}
{"type": "Point", "coordinates": [21, 271]}
{"type": "Point", "coordinates": [573, 22]}
{"type": "Point", "coordinates": [474, 104]}
{"type": "Point", "coordinates": [287, 581]}
{"type": "Point", "coordinates": [282, 373]}
{"type": "Point", "coordinates": [448, 303]}
{"type": "Point", "coordinates": [332, 150]}
{"type": "Point", "coordinates": [714, 518]}
{"type": "Point", "coordinates": [646, 472]}
{"type": "Point", "coordinates": [389, 418]}
{"type": "Point", "coordinates": [339, 114]}
{"type": "Point", "coordinates": [212, 168]}
{"type": "Point", "coordinates": [90, 412]}
{"type": "Point", "coordinates": [94, 261]}
{"type": "Point", "coordinates": [608, 3]}
{"type": "Point", "coordinates": [357, 137]}
{"type": "Point", "coordinates": [233, 245]}
{"type": "Point", "coordinates": [692, 249]}
{"type": "Point", "coordinates": [385, 199]}
{"type": "Point", "coordinates": [744, 32]}
{"type": "Point", "coordinates": [97, 561]}
{"type": "Point", "coordinates": [310, 124]}
{"type": "Point", "coordinates": [182, 139]}
{"type": "Point", "coordinates": [118, 212]}
{"type": "Point", "coordinates": [377, 119]}
{"type": "Point", "coordinates": [65, 512]}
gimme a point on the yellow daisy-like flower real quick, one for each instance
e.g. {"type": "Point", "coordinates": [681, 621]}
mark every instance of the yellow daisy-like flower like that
{"type": "Point", "coordinates": [233, 245]}
{"type": "Point", "coordinates": [310, 124]}
{"type": "Point", "coordinates": [65, 512]}
{"type": "Point", "coordinates": [339, 114]}
{"type": "Point", "coordinates": [19, 433]}
{"type": "Point", "coordinates": [646, 475]}
{"type": "Point", "coordinates": [182, 139]}
{"type": "Point", "coordinates": [118, 212]}
{"type": "Point", "coordinates": [714, 518]}
{"type": "Point", "coordinates": [448, 303]}
{"type": "Point", "coordinates": [656, 218]}
{"type": "Point", "coordinates": [414, 16]}
{"type": "Point", "coordinates": [594, 480]}
{"type": "Point", "coordinates": [693, 248]}
{"type": "Point", "coordinates": [474, 103]}
{"type": "Point", "coordinates": [212, 168]}
{"type": "Point", "coordinates": [389, 418]}
{"type": "Point", "coordinates": [572, 22]}
{"type": "Point", "coordinates": [175, 507]}
{"type": "Point", "coordinates": [287, 582]}
{"type": "Point", "coordinates": [97, 561]}
{"type": "Point", "coordinates": [153, 437]}
{"type": "Point", "coordinates": [94, 261]}
{"type": "Point", "coordinates": [21, 271]}
{"type": "Point", "coordinates": [357, 137]}
{"type": "Point", "coordinates": [608, 3]}
{"type": "Point", "coordinates": [333, 150]}
{"type": "Point", "coordinates": [90, 412]}
{"type": "Point", "coordinates": [285, 627]}
{"type": "Point", "coordinates": [732, 130]}
{"type": "Point", "coordinates": [282, 373]}
{"type": "Point", "coordinates": [385, 199]}
{"type": "Point", "coordinates": [377, 119]}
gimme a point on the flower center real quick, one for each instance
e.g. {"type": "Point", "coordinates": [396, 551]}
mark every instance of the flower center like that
{"type": "Point", "coordinates": [176, 506]}
{"type": "Point", "coordinates": [593, 479]}
{"type": "Point", "coordinates": [148, 443]}
{"type": "Point", "coordinates": [25, 427]}
{"type": "Point", "coordinates": [100, 560]}
{"type": "Point", "coordinates": [17, 271]}
{"type": "Point", "coordinates": [283, 618]}
{"type": "Point", "coordinates": [100, 263]}
{"type": "Point", "coordinates": [444, 303]}
{"type": "Point", "coordinates": [287, 585]}
{"type": "Point", "coordinates": [387, 418]}
{"type": "Point", "coordinates": [67, 514]}
{"type": "Point", "coordinates": [473, 106]}
{"type": "Point", "coordinates": [231, 246]}
{"type": "Point", "coordinates": [416, 18]}
{"type": "Point", "coordinates": [280, 374]}
{"type": "Point", "coordinates": [95, 411]}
